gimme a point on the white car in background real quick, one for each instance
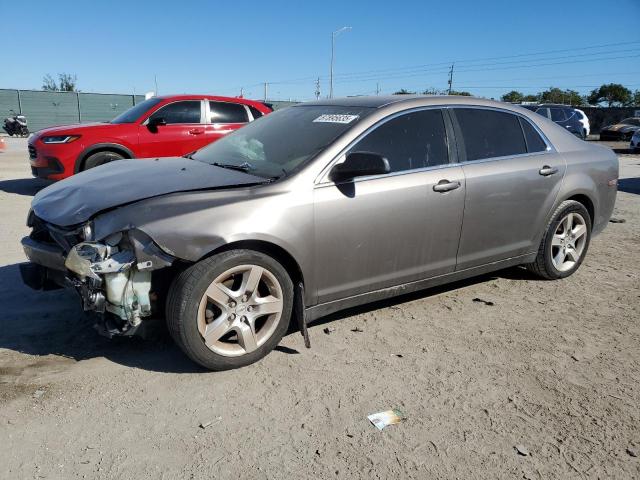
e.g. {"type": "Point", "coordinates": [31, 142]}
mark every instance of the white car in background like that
{"type": "Point", "coordinates": [634, 146]}
{"type": "Point", "coordinates": [584, 120]}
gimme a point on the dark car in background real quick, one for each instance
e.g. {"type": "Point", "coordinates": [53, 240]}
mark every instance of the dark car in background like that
{"type": "Point", "coordinates": [164, 126]}
{"type": "Point", "coordinates": [563, 115]}
{"type": "Point", "coordinates": [622, 131]}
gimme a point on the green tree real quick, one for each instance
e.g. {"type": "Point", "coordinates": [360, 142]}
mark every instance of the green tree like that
{"type": "Point", "coordinates": [613, 94]}
{"type": "Point", "coordinates": [67, 83]}
{"type": "Point", "coordinates": [48, 83]}
{"type": "Point", "coordinates": [461, 93]}
{"type": "Point", "coordinates": [636, 98]}
{"type": "Point", "coordinates": [403, 91]}
{"type": "Point", "coordinates": [433, 91]}
{"type": "Point", "coordinates": [556, 95]}
{"type": "Point", "coordinates": [531, 98]}
{"type": "Point", "coordinates": [513, 97]}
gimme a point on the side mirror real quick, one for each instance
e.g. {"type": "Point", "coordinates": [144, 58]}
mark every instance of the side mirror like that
{"type": "Point", "coordinates": [359, 164]}
{"type": "Point", "coordinates": [155, 122]}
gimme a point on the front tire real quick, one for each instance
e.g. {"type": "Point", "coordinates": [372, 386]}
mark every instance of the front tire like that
{"type": "Point", "coordinates": [565, 242]}
{"type": "Point", "coordinates": [100, 158]}
{"type": "Point", "coordinates": [231, 309]}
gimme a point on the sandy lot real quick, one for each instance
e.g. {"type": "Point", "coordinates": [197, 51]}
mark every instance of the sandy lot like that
{"type": "Point", "coordinates": [552, 366]}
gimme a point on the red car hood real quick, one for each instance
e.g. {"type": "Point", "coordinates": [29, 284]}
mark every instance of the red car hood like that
{"type": "Point", "coordinates": [76, 128]}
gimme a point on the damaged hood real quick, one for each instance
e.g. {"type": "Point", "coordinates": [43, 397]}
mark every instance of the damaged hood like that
{"type": "Point", "coordinates": [76, 199]}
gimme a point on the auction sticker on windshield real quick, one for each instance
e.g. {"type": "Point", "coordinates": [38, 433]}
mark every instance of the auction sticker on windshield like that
{"type": "Point", "coordinates": [328, 118]}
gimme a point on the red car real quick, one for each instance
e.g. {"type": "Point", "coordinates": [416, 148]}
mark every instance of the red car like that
{"type": "Point", "coordinates": [158, 127]}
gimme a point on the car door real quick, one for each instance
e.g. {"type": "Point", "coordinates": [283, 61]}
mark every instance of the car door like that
{"type": "Point", "coordinates": [512, 179]}
{"type": "Point", "coordinates": [183, 132]}
{"type": "Point", "coordinates": [223, 118]}
{"type": "Point", "coordinates": [385, 230]}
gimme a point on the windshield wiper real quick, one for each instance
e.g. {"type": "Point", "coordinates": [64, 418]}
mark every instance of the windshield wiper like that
{"type": "Point", "coordinates": [243, 167]}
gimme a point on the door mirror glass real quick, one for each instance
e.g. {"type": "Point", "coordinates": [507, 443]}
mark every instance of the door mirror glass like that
{"type": "Point", "coordinates": [359, 164]}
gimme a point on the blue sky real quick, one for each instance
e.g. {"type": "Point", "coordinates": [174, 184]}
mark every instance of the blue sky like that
{"type": "Point", "coordinates": [218, 47]}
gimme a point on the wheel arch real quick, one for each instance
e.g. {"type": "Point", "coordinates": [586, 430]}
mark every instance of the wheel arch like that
{"type": "Point", "coordinates": [101, 147]}
{"type": "Point", "coordinates": [280, 254]}
{"type": "Point", "coordinates": [587, 202]}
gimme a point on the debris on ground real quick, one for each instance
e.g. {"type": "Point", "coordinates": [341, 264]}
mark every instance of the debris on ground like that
{"type": "Point", "coordinates": [575, 357]}
{"type": "Point", "coordinates": [357, 329]}
{"type": "Point", "coordinates": [38, 393]}
{"type": "Point", "coordinates": [329, 330]}
{"type": "Point", "coordinates": [522, 450]}
{"type": "Point", "coordinates": [204, 425]}
{"type": "Point", "coordinates": [617, 220]}
{"type": "Point", "coordinates": [388, 417]}
{"type": "Point", "coordinates": [486, 302]}
{"type": "Point", "coordinates": [399, 355]}
{"type": "Point", "coordinates": [632, 451]}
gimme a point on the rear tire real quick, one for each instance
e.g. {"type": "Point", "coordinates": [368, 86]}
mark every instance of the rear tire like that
{"type": "Point", "coordinates": [100, 158]}
{"type": "Point", "coordinates": [231, 309]}
{"type": "Point", "coordinates": [563, 249]}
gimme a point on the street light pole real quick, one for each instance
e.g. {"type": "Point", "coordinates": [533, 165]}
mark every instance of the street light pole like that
{"type": "Point", "coordinates": [333, 41]}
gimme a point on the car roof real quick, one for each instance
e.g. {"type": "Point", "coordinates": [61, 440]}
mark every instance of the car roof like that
{"type": "Point", "coordinates": [218, 98]}
{"type": "Point", "coordinates": [386, 100]}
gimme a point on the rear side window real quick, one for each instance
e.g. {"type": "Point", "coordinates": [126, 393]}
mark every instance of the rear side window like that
{"type": "Point", "coordinates": [255, 112]}
{"type": "Point", "coordinates": [180, 112]}
{"type": "Point", "coordinates": [410, 141]}
{"type": "Point", "coordinates": [557, 114]}
{"type": "Point", "coordinates": [543, 112]}
{"type": "Point", "coordinates": [534, 141]}
{"type": "Point", "coordinates": [223, 112]}
{"type": "Point", "coordinates": [489, 133]}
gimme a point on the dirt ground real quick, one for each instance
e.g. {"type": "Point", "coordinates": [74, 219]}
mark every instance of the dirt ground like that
{"type": "Point", "coordinates": [551, 367]}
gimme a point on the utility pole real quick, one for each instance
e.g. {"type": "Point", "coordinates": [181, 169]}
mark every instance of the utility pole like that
{"type": "Point", "coordinates": [241, 92]}
{"type": "Point", "coordinates": [155, 80]}
{"type": "Point", "coordinates": [266, 90]}
{"type": "Point", "coordinates": [333, 41]}
{"type": "Point", "coordinates": [318, 89]}
{"type": "Point", "coordinates": [377, 88]}
{"type": "Point", "coordinates": [450, 78]}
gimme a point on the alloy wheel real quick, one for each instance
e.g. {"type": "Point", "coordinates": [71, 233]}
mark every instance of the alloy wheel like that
{"type": "Point", "coordinates": [568, 242]}
{"type": "Point", "coordinates": [240, 310]}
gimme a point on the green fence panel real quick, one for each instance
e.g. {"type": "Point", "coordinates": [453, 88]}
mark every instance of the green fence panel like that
{"type": "Point", "coordinates": [44, 109]}
{"type": "Point", "coordinates": [8, 101]}
{"type": "Point", "coordinates": [99, 107]}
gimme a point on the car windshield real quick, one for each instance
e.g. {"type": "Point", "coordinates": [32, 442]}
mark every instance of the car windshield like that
{"type": "Point", "coordinates": [282, 141]}
{"type": "Point", "coordinates": [136, 111]}
{"type": "Point", "coordinates": [631, 121]}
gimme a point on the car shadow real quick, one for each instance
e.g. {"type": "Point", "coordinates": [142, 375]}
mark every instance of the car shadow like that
{"type": "Point", "coordinates": [629, 185]}
{"type": "Point", "coordinates": [24, 186]}
{"type": "Point", "coordinates": [43, 323]}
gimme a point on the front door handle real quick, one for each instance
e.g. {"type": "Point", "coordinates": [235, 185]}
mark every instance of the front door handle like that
{"type": "Point", "coordinates": [547, 170]}
{"type": "Point", "coordinates": [196, 131]}
{"type": "Point", "coordinates": [445, 186]}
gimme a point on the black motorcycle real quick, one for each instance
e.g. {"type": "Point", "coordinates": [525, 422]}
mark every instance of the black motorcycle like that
{"type": "Point", "coordinates": [16, 125]}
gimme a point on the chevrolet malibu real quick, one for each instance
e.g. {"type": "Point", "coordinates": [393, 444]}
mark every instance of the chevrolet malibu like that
{"type": "Point", "coordinates": [317, 208]}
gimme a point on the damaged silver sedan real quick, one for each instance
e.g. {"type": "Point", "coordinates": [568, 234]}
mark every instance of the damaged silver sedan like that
{"type": "Point", "coordinates": [317, 208]}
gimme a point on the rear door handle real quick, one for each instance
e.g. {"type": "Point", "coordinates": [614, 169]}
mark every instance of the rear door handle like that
{"type": "Point", "coordinates": [547, 170]}
{"type": "Point", "coordinates": [445, 186]}
{"type": "Point", "coordinates": [196, 131]}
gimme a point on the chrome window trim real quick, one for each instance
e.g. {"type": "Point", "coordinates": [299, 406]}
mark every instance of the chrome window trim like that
{"type": "Point", "coordinates": [323, 180]}
{"type": "Point", "coordinates": [146, 120]}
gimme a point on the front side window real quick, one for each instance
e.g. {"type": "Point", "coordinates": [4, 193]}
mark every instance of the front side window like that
{"type": "Point", "coordinates": [224, 112]}
{"type": "Point", "coordinates": [179, 112]}
{"type": "Point", "coordinates": [490, 133]}
{"type": "Point", "coordinates": [413, 140]}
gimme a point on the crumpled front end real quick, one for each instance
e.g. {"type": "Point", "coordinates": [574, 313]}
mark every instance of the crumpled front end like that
{"type": "Point", "coordinates": [113, 276]}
